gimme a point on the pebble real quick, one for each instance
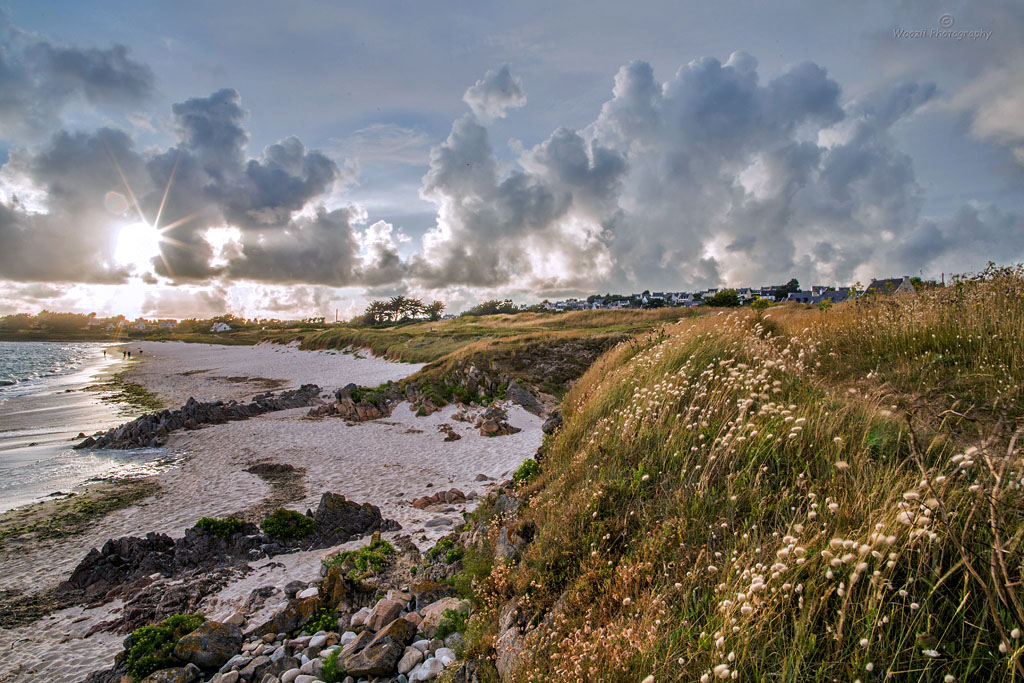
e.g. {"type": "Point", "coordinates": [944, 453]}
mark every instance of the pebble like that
{"type": "Point", "coordinates": [303, 678]}
{"type": "Point", "coordinates": [428, 670]}
{"type": "Point", "coordinates": [438, 521]}
{"type": "Point", "coordinates": [290, 675]}
{"type": "Point", "coordinates": [310, 592]}
{"type": "Point", "coordinates": [347, 637]}
{"type": "Point", "coordinates": [317, 642]}
{"type": "Point", "coordinates": [237, 661]}
{"type": "Point", "coordinates": [421, 645]}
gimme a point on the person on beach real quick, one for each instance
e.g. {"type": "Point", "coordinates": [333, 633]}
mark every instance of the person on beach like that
{"type": "Point", "coordinates": [129, 355]}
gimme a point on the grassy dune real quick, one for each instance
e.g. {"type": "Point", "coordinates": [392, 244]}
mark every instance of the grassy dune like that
{"type": "Point", "coordinates": [811, 495]}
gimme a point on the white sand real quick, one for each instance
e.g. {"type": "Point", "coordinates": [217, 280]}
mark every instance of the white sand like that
{"type": "Point", "coordinates": [385, 462]}
{"type": "Point", "coordinates": [215, 372]}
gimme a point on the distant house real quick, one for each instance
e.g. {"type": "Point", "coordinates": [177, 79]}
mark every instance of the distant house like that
{"type": "Point", "coordinates": [140, 325]}
{"type": "Point", "coordinates": [831, 295]}
{"type": "Point", "coordinates": [801, 297]}
{"type": "Point", "coordinates": [167, 324]}
{"type": "Point", "coordinates": [892, 285]}
{"type": "Point", "coordinates": [110, 326]}
{"type": "Point", "coordinates": [220, 327]}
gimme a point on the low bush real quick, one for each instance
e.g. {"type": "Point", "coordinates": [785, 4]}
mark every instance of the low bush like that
{"type": "Point", "coordinates": [451, 622]}
{"type": "Point", "coordinates": [526, 472]}
{"type": "Point", "coordinates": [223, 528]}
{"type": "Point", "coordinates": [151, 646]}
{"type": "Point", "coordinates": [324, 620]}
{"type": "Point", "coordinates": [288, 524]}
{"type": "Point", "coordinates": [333, 672]}
{"type": "Point", "coordinates": [373, 557]}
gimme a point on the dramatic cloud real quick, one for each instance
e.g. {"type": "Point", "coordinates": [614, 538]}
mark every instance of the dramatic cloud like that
{"type": "Point", "coordinates": [38, 79]}
{"type": "Point", "coordinates": [493, 95]}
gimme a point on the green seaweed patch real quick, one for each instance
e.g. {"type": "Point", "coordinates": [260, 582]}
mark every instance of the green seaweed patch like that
{"type": "Point", "coordinates": [119, 390]}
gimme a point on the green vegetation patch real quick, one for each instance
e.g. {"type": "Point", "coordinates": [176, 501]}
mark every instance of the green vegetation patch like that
{"type": "Point", "coordinates": [526, 472]}
{"type": "Point", "coordinates": [287, 525]}
{"type": "Point", "coordinates": [76, 513]}
{"type": "Point", "coordinates": [224, 527]}
{"type": "Point", "coordinates": [119, 390]}
{"type": "Point", "coordinates": [373, 557]}
{"type": "Point", "coordinates": [446, 548]}
{"type": "Point", "coordinates": [151, 646]}
{"type": "Point", "coordinates": [324, 620]}
{"type": "Point", "coordinates": [451, 622]}
{"type": "Point", "coordinates": [333, 672]}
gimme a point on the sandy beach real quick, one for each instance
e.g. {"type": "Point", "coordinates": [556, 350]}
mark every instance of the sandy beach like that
{"type": "Point", "coordinates": [386, 462]}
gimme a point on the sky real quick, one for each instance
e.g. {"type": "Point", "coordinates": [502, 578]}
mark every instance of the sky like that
{"type": "Point", "coordinates": [179, 159]}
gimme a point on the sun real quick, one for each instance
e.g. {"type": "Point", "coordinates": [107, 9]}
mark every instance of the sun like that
{"type": "Point", "coordinates": [137, 245]}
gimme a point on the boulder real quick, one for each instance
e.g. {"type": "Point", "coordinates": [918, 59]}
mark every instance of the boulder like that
{"type": "Point", "coordinates": [339, 520]}
{"type": "Point", "coordinates": [519, 394]}
{"type": "Point", "coordinates": [290, 617]}
{"type": "Point", "coordinates": [429, 591]}
{"type": "Point", "coordinates": [410, 659]}
{"type": "Point", "coordinates": [382, 654]}
{"type": "Point", "coordinates": [427, 671]}
{"type": "Point", "coordinates": [432, 613]}
{"type": "Point", "coordinates": [178, 674]}
{"type": "Point", "coordinates": [383, 613]}
{"type": "Point", "coordinates": [210, 646]}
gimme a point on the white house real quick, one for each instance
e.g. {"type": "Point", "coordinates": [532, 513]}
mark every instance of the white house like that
{"type": "Point", "coordinates": [140, 324]}
{"type": "Point", "coordinates": [220, 327]}
{"type": "Point", "coordinates": [167, 324]}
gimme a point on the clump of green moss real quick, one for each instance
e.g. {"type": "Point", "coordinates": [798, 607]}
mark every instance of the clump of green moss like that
{"type": "Point", "coordinates": [224, 527]}
{"type": "Point", "coordinates": [151, 646]}
{"type": "Point", "coordinates": [288, 524]}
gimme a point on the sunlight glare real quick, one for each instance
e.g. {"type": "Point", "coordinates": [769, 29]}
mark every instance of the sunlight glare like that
{"type": "Point", "coordinates": [137, 245]}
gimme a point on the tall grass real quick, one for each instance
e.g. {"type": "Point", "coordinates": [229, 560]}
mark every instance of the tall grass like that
{"type": "Point", "coordinates": [785, 498]}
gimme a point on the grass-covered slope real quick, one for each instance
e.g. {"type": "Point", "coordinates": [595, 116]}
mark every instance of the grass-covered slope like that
{"type": "Point", "coordinates": [812, 495]}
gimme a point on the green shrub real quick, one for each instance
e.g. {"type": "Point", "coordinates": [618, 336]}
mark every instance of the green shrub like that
{"type": "Point", "coordinates": [223, 528]}
{"type": "Point", "coordinates": [324, 620]}
{"type": "Point", "coordinates": [333, 672]}
{"type": "Point", "coordinates": [447, 548]}
{"type": "Point", "coordinates": [374, 556]}
{"type": "Point", "coordinates": [288, 524]}
{"type": "Point", "coordinates": [151, 646]}
{"type": "Point", "coordinates": [526, 472]}
{"type": "Point", "coordinates": [451, 622]}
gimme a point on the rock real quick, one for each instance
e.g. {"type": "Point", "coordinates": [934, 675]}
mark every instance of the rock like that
{"type": "Point", "coordinates": [293, 615]}
{"type": "Point", "coordinates": [438, 521]}
{"type": "Point", "coordinates": [382, 654]}
{"type": "Point", "coordinates": [413, 618]}
{"type": "Point", "coordinates": [517, 393]}
{"type": "Point", "coordinates": [494, 422]}
{"type": "Point", "coordinates": [432, 613]}
{"type": "Point", "coordinates": [290, 675]}
{"type": "Point", "coordinates": [455, 641]}
{"type": "Point", "coordinates": [508, 546]}
{"type": "Point", "coordinates": [409, 660]}
{"type": "Point", "coordinates": [429, 591]}
{"type": "Point", "coordinates": [152, 429]}
{"type": "Point", "coordinates": [317, 642]}
{"type": "Point", "coordinates": [359, 618]}
{"type": "Point", "coordinates": [307, 593]}
{"type": "Point", "coordinates": [255, 669]}
{"type": "Point", "coordinates": [383, 613]}
{"type": "Point", "coordinates": [482, 477]}
{"type": "Point", "coordinates": [553, 422]}
{"type": "Point", "coordinates": [238, 661]}
{"type": "Point", "coordinates": [236, 619]}
{"type": "Point", "coordinates": [421, 645]}
{"type": "Point", "coordinates": [292, 588]}
{"type": "Point", "coordinates": [357, 645]}
{"type": "Point", "coordinates": [474, 671]}
{"type": "Point", "coordinates": [210, 646]}
{"type": "Point", "coordinates": [347, 637]}
{"type": "Point", "coordinates": [427, 671]}
{"type": "Point", "coordinates": [333, 588]}
{"type": "Point", "coordinates": [305, 678]}
{"type": "Point", "coordinates": [178, 674]}
{"type": "Point", "coordinates": [339, 520]}
{"type": "Point", "coordinates": [446, 655]}
{"type": "Point", "coordinates": [509, 650]}
{"type": "Point", "coordinates": [227, 677]}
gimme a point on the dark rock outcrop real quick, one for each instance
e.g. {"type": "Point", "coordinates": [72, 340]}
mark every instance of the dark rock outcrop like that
{"type": "Point", "coordinates": [451, 496]}
{"type": "Point", "coordinates": [339, 520]}
{"type": "Point", "coordinates": [359, 404]}
{"type": "Point", "coordinates": [153, 429]}
{"type": "Point", "coordinates": [494, 422]}
{"type": "Point", "coordinates": [210, 646]}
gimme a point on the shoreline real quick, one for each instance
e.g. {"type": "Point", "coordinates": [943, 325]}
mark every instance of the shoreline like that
{"type": "Point", "coordinates": [386, 462]}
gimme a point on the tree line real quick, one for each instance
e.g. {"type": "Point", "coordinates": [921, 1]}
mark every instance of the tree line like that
{"type": "Point", "coordinates": [399, 309]}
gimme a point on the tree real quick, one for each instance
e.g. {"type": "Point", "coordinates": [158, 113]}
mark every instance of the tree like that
{"type": "Point", "coordinates": [434, 310]}
{"type": "Point", "coordinates": [726, 297]}
{"type": "Point", "coordinates": [791, 287]}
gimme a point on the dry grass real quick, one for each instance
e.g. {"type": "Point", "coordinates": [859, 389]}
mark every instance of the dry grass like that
{"type": "Point", "coordinates": [815, 495]}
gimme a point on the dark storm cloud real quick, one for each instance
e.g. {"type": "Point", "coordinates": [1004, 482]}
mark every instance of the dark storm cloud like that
{"type": "Point", "coordinates": [493, 95]}
{"type": "Point", "coordinates": [38, 79]}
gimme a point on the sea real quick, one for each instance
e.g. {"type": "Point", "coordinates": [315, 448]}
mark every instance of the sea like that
{"type": "Point", "coordinates": [45, 404]}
